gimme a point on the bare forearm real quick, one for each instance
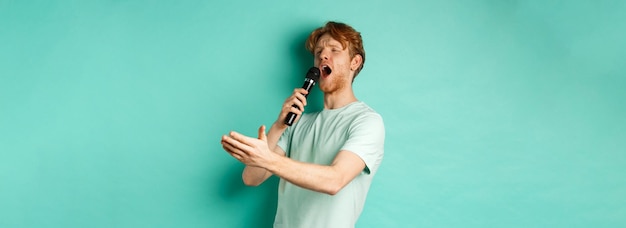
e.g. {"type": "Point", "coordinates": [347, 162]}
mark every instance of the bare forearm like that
{"type": "Point", "coordinates": [274, 134]}
{"type": "Point", "coordinates": [319, 178]}
{"type": "Point", "coordinates": [262, 162]}
{"type": "Point", "coordinates": [254, 176]}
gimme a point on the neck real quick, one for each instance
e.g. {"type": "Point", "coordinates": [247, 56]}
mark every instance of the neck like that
{"type": "Point", "coordinates": [339, 99]}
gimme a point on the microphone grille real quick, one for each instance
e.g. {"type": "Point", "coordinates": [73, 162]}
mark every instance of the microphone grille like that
{"type": "Point", "coordinates": [313, 73]}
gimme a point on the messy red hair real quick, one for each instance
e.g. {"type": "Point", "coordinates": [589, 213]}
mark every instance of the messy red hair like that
{"type": "Point", "coordinates": [345, 34]}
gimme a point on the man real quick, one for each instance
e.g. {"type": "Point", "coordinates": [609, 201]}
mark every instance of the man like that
{"type": "Point", "coordinates": [327, 159]}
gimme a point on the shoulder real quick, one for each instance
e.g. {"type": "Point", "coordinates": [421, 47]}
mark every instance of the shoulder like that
{"type": "Point", "coordinates": [366, 119]}
{"type": "Point", "coordinates": [362, 107]}
{"type": "Point", "coordinates": [366, 113]}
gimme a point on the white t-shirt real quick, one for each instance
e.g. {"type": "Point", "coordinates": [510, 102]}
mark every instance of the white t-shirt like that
{"type": "Point", "coordinates": [317, 138]}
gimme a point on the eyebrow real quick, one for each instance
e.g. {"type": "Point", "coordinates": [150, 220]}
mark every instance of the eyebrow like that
{"type": "Point", "coordinates": [318, 47]}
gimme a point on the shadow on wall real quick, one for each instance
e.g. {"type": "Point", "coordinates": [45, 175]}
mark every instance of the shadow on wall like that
{"type": "Point", "coordinates": [262, 213]}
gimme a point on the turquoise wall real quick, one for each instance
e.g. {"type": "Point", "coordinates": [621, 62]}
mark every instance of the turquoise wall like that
{"type": "Point", "coordinates": [498, 113]}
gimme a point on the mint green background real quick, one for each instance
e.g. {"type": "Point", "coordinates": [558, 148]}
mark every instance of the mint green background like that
{"type": "Point", "coordinates": [498, 113]}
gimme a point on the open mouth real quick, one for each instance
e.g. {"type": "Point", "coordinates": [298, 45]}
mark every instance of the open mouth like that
{"type": "Point", "coordinates": [326, 69]}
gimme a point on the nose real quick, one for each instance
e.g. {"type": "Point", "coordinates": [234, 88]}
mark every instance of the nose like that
{"type": "Point", "coordinates": [324, 55]}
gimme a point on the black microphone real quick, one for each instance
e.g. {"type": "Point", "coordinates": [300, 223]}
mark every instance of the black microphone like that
{"type": "Point", "coordinates": [309, 81]}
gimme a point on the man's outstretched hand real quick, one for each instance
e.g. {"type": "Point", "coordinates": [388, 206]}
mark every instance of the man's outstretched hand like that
{"type": "Point", "coordinates": [249, 151]}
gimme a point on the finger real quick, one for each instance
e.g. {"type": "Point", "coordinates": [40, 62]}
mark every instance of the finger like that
{"type": "Point", "coordinates": [235, 140]}
{"type": "Point", "coordinates": [301, 98]}
{"type": "Point", "coordinates": [299, 94]}
{"type": "Point", "coordinates": [232, 149]}
{"type": "Point", "coordinates": [262, 135]}
{"type": "Point", "coordinates": [229, 149]}
{"type": "Point", "coordinates": [249, 142]}
{"type": "Point", "coordinates": [301, 91]}
{"type": "Point", "coordinates": [294, 100]}
{"type": "Point", "coordinates": [298, 117]}
{"type": "Point", "coordinates": [236, 156]}
{"type": "Point", "coordinates": [288, 109]}
{"type": "Point", "coordinates": [295, 110]}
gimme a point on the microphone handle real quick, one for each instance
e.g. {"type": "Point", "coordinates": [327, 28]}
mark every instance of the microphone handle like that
{"type": "Point", "coordinates": [291, 117]}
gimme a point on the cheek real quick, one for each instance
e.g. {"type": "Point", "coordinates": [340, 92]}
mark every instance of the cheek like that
{"type": "Point", "coordinates": [342, 65]}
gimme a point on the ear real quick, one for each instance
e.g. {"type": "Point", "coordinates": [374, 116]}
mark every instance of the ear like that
{"type": "Point", "coordinates": [356, 62]}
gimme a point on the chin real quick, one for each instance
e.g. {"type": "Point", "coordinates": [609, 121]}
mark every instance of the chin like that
{"type": "Point", "coordinates": [333, 83]}
{"type": "Point", "coordinates": [331, 88]}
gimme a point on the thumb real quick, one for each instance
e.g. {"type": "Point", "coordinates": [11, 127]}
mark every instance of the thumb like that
{"type": "Point", "coordinates": [262, 135]}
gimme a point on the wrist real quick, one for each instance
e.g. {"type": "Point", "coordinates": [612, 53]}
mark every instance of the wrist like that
{"type": "Point", "coordinates": [279, 125]}
{"type": "Point", "coordinates": [273, 163]}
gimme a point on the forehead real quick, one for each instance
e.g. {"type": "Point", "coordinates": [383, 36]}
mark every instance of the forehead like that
{"type": "Point", "coordinates": [327, 40]}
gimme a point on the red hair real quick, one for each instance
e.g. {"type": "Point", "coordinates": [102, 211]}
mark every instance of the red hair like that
{"type": "Point", "coordinates": [345, 34]}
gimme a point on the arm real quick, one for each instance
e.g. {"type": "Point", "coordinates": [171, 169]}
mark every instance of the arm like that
{"type": "Point", "coordinates": [255, 175]}
{"type": "Point", "coordinates": [326, 179]}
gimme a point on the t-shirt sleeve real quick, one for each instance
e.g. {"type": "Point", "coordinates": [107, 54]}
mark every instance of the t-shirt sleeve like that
{"type": "Point", "coordinates": [366, 138]}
